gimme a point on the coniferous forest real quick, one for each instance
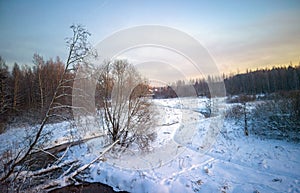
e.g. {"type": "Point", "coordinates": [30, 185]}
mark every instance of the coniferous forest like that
{"type": "Point", "coordinates": [260, 81]}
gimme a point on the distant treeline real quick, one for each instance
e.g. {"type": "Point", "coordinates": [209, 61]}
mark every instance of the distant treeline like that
{"type": "Point", "coordinates": [264, 81]}
{"type": "Point", "coordinates": [30, 89]}
{"type": "Point", "coordinates": [261, 81]}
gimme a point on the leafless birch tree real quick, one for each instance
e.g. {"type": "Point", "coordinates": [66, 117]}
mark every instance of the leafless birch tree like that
{"type": "Point", "coordinates": [127, 112]}
{"type": "Point", "coordinates": [78, 50]}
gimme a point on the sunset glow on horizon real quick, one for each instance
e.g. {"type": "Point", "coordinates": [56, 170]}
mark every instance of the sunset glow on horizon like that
{"type": "Point", "coordinates": [239, 35]}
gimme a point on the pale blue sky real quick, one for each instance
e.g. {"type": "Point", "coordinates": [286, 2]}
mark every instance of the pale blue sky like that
{"type": "Point", "coordinates": [238, 34]}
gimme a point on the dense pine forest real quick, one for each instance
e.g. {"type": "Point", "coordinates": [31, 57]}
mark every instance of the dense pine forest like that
{"type": "Point", "coordinates": [260, 81]}
{"type": "Point", "coordinates": [264, 81]}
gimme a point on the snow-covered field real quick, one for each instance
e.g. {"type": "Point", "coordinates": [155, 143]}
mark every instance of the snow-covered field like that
{"type": "Point", "coordinates": [187, 156]}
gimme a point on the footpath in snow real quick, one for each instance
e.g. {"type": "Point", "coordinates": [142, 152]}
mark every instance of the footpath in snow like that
{"type": "Point", "coordinates": [234, 163]}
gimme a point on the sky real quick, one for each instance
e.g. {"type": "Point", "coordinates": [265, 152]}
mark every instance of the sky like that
{"type": "Point", "coordinates": [239, 35]}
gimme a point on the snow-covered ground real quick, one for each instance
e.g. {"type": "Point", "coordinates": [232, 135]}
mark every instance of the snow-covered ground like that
{"type": "Point", "coordinates": [187, 156]}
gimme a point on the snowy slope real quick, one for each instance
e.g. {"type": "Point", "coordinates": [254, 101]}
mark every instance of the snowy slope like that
{"type": "Point", "coordinates": [178, 162]}
{"type": "Point", "coordinates": [235, 163]}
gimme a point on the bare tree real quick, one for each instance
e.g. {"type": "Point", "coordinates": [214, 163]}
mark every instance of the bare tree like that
{"type": "Point", "coordinates": [243, 100]}
{"type": "Point", "coordinates": [126, 110]}
{"type": "Point", "coordinates": [16, 76]}
{"type": "Point", "coordinates": [79, 50]}
{"type": "Point", "coordinates": [240, 112]}
{"type": "Point", "coordinates": [38, 61]}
